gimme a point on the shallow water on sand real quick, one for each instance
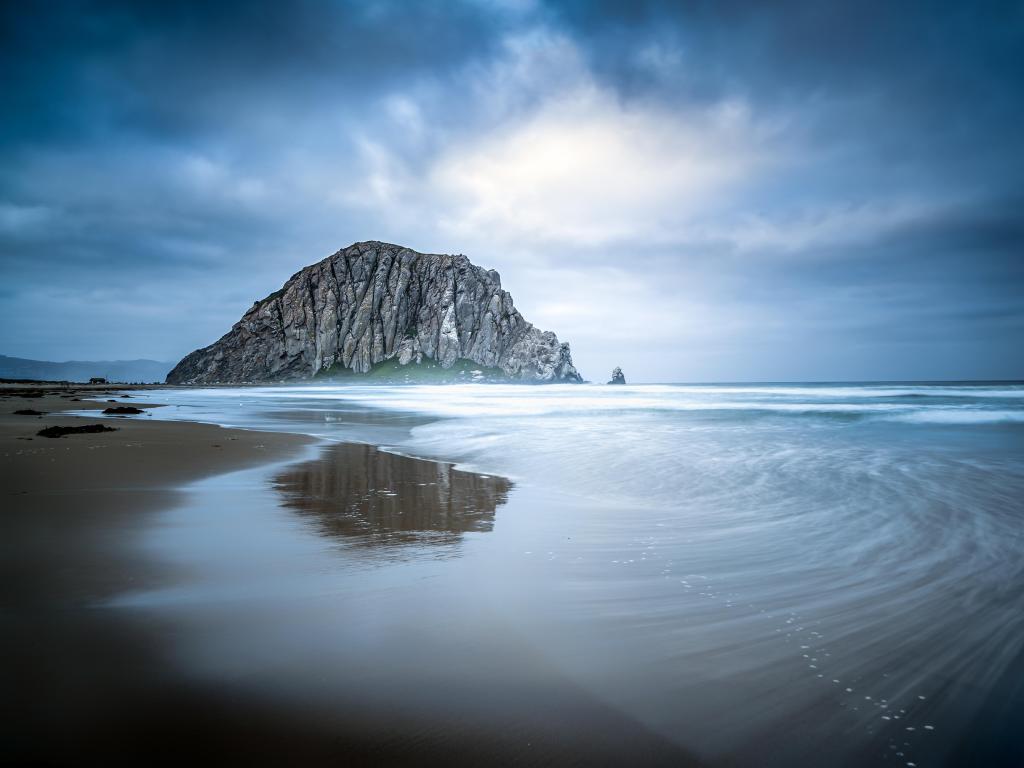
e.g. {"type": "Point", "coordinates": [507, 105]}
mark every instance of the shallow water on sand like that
{"type": "Point", "coordinates": [769, 575]}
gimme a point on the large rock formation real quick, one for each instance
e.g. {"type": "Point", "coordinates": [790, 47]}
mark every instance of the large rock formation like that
{"type": "Point", "coordinates": [374, 302]}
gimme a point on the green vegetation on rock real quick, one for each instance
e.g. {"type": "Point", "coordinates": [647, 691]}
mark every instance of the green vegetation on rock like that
{"type": "Point", "coordinates": [428, 372]}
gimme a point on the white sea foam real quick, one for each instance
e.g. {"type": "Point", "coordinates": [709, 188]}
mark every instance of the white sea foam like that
{"type": "Point", "coordinates": [965, 416]}
{"type": "Point", "coordinates": [471, 401]}
{"type": "Point", "coordinates": [638, 444]}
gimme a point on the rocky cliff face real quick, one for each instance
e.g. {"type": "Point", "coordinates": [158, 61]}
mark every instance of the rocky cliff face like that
{"type": "Point", "coordinates": [374, 302]}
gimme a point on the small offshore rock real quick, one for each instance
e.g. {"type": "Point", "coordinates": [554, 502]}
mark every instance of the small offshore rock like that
{"type": "Point", "coordinates": [29, 412]}
{"type": "Point", "coordinates": [123, 410]}
{"type": "Point", "coordinates": [617, 376]}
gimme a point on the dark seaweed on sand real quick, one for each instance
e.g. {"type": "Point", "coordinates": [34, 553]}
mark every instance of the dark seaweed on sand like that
{"type": "Point", "coordinates": [86, 429]}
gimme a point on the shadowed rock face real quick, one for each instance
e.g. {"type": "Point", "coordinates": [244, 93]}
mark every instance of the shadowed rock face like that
{"type": "Point", "coordinates": [373, 302]}
{"type": "Point", "coordinates": [374, 498]}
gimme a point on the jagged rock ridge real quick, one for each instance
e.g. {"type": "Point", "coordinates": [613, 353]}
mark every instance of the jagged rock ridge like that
{"type": "Point", "coordinates": [373, 302]}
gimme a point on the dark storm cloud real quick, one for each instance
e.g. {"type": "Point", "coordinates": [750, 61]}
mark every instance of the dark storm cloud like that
{"type": "Point", "coordinates": [81, 70]}
{"type": "Point", "coordinates": [901, 81]}
{"type": "Point", "coordinates": [126, 126]}
{"type": "Point", "coordinates": [786, 179]}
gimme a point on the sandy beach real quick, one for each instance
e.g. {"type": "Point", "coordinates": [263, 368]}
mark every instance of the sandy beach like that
{"type": "Point", "coordinates": [80, 683]}
{"type": "Point", "coordinates": [87, 682]}
{"type": "Point", "coordinates": [486, 578]}
{"type": "Point", "coordinates": [62, 493]}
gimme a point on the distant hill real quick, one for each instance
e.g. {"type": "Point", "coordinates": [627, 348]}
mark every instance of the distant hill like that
{"type": "Point", "coordinates": [146, 371]}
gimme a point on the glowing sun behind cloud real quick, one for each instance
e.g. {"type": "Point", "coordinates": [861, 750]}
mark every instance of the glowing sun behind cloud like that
{"type": "Point", "coordinates": [585, 168]}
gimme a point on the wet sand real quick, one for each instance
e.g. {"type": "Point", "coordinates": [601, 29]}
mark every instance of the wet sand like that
{"type": "Point", "coordinates": [86, 682]}
{"type": "Point", "coordinates": [790, 589]}
{"type": "Point", "coordinates": [62, 496]}
{"type": "Point", "coordinates": [80, 682]}
{"type": "Point", "coordinates": [374, 498]}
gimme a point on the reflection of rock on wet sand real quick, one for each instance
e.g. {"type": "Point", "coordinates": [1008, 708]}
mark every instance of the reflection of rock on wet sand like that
{"type": "Point", "coordinates": [378, 498]}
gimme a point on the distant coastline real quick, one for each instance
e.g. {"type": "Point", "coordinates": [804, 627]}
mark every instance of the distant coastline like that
{"type": "Point", "coordinates": [124, 371]}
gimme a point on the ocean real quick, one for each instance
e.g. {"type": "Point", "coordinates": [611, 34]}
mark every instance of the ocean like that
{"type": "Point", "coordinates": [739, 574]}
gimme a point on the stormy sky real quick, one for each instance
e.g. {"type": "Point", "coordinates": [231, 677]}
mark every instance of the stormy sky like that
{"type": "Point", "coordinates": [693, 191]}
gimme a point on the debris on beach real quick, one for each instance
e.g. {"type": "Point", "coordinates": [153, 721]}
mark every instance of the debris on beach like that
{"type": "Point", "coordinates": [85, 429]}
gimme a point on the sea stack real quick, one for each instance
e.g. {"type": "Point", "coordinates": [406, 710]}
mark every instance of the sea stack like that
{"type": "Point", "coordinates": [375, 303]}
{"type": "Point", "coordinates": [617, 376]}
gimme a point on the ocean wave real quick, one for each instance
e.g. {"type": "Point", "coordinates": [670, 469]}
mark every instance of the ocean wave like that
{"type": "Point", "coordinates": [957, 416]}
{"type": "Point", "coordinates": [932, 404]}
